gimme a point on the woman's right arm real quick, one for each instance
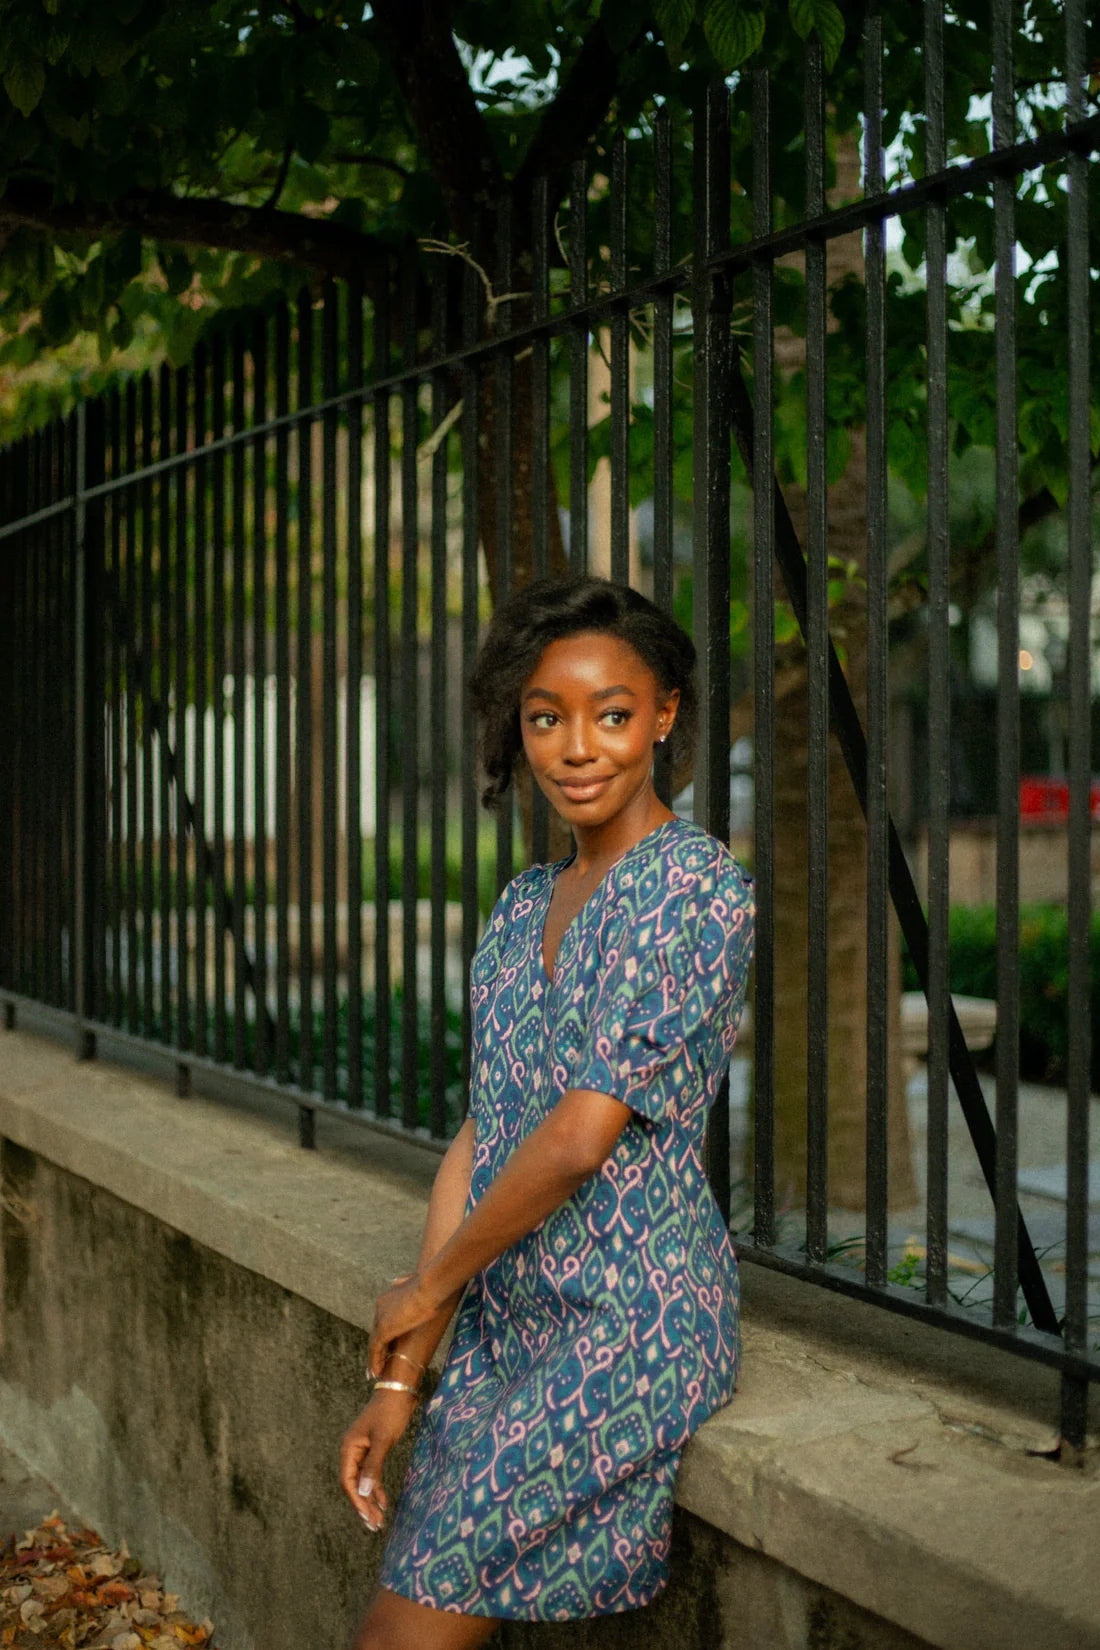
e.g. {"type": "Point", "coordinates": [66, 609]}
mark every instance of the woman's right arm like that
{"type": "Point", "coordinates": [377, 1428]}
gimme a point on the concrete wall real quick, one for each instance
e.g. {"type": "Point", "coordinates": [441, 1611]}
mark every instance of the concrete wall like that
{"type": "Point", "coordinates": [185, 1296]}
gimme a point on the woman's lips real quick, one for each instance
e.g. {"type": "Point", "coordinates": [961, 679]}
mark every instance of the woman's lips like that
{"type": "Point", "coordinates": [583, 790]}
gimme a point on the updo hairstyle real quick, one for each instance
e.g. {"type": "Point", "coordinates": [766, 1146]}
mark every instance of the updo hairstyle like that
{"type": "Point", "coordinates": [524, 626]}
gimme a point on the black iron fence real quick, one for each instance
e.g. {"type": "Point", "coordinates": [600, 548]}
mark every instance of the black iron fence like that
{"type": "Point", "coordinates": [240, 821]}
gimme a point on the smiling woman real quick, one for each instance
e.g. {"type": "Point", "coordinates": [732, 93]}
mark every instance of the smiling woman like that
{"type": "Point", "coordinates": [598, 1323]}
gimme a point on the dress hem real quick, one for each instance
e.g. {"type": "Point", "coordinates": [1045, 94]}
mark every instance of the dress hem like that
{"type": "Point", "coordinates": [527, 1615]}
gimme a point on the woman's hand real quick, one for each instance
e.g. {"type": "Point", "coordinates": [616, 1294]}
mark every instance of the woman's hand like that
{"type": "Point", "coordinates": [400, 1309]}
{"type": "Point", "coordinates": [363, 1451]}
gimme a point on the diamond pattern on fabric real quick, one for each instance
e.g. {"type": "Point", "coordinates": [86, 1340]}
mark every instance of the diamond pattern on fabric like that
{"type": "Point", "coordinates": [583, 1358]}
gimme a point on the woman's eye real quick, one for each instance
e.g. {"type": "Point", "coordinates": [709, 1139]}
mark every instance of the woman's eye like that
{"type": "Point", "coordinates": [617, 718]}
{"type": "Point", "coordinates": [542, 719]}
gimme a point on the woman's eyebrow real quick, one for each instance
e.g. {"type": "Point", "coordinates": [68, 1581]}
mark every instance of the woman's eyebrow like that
{"type": "Point", "coordinates": [601, 693]}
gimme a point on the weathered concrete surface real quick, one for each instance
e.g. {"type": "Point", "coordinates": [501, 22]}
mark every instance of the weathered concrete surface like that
{"type": "Point", "coordinates": [24, 1497]}
{"type": "Point", "coordinates": [185, 1295]}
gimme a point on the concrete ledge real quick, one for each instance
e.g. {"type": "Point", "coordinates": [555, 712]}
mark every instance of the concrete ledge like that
{"type": "Point", "coordinates": [872, 1456]}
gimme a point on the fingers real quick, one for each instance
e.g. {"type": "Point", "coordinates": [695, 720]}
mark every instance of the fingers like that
{"type": "Point", "coordinates": [371, 1499]}
{"type": "Point", "coordinates": [378, 1350]}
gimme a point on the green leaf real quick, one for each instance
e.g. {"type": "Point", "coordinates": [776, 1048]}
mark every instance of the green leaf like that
{"type": "Point", "coordinates": [620, 23]}
{"type": "Point", "coordinates": [310, 131]}
{"type": "Point", "coordinates": [674, 18]}
{"type": "Point", "coordinates": [733, 31]}
{"type": "Point", "coordinates": [24, 83]}
{"type": "Point", "coordinates": [824, 17]}
{"type": "Point", "coordinates": [52, 6]}
{"type": "Point", "coordinates": [57, 316]}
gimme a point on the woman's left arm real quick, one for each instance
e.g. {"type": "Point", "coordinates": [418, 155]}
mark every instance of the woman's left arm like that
{"type": "Point", "coordinates": [566, 1148]}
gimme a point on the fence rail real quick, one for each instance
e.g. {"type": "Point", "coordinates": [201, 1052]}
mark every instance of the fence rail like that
{"type": "Point", "coordinates": [261, 883]}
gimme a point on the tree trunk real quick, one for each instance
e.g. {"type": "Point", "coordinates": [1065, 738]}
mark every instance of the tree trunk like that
{"type": "Point", "coordinates": [847, 934]}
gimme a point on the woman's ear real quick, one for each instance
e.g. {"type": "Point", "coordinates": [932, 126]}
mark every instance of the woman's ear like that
{"type": "Point", "coordinates": [666, 715]}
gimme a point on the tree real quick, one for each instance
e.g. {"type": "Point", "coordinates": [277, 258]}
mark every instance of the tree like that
{"type": "Point", "coordinates": [170, 164]}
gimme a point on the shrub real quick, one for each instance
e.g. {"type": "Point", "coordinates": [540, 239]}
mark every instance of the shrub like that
{"type": "Point", "coordinates": [1044, 980]}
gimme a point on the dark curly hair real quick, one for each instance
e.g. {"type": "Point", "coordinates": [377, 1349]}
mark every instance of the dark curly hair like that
{"type": "Point", "coordinates": [544, 612]}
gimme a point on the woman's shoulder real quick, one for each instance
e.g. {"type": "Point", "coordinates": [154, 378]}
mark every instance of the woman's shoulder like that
{"type": "Point", "coordinates": [673, 880]}
{"type": "Point", "coordinates": [681, 861]}
{"type": "Point", "coordinates": [515, 898]}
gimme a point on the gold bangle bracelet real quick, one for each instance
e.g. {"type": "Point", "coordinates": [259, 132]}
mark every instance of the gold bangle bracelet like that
{"type": "Point", "coordinates": [398, 1386]}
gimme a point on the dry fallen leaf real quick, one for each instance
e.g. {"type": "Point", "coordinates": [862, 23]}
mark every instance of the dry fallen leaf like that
{"type": "Point", "coordinates": [63, 1589]}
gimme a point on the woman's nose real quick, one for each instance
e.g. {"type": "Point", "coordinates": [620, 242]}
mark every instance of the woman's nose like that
{"type": "Point", "coordinates": [578, 742]}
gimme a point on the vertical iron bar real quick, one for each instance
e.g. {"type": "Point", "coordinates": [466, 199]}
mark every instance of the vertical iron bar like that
{"type": "Point", "coordinates": [1008, 702]}
{"type": "Point", "coordinates": [283, 683]}
{"type": "Point", "coordinates": [542, 501]}
{"type": "Point", "coordinates": [763, 627]}
{"type": "Point", "coordinates": [620, 371]}
{"type": "Point", "coordinates": [353, 692]}
{"type": "Point", "coordinates": [148, 712]}
{"type": "Point", "coordinates": [95, 546]}
{"type": "Point", "coordinates": [303, 765]}
{"type": "Point", "coordinates": [218, 650]}
{"type": "Point", "coordinates": [330, 813]}
{"type": "Point", "coordinates": [410, 695]}
{"type": "Point", "coordinates": [184, 513]}
{"type": "Point", "coordinates": [88, 713]}
{"type": "Point", "coordinates": [163, 702]}
{"type": "Point", "coordinates": [471, 392]}
{"type": "Point", "coordinates": [437, 1111]}
{"type": "Point", "coordinates": [939, 702]}
{"type": "Point", "coordinates": [81, 821]}
{"type": "Point", "coordinates": [578, 370]}
{"type": "Point", "coordinates": [238, 602]}
{"type": "Point", "coordinates": [878, 974]}
{"type": "Point", "coordinates": [53, 649]}
{"type": "Point", "coordinates": [41, 746]}
{"type": "Point", "coordinates": [133, 655]}
{"type": "Point", "coordinates": [262, 1057]}
{"type": "Point", "coordinates": [43, 628]}
{"type": "Point", "coordinates": [817, 671]}
{"type": "Point", "coordinates": [201, 666]}
{"type": "Point", "coordinates": [383, 674]}
{"type": "Point", "coordinates": [503, 370]}
{"type": "Point", "coordinates": [662, 402]}
{"type": "Point", "coordinates": [710, 533]}
{"type": "Point", "coordinates": [27, 823]}
{"type": "Point", "coordinates": [115, 635]}
{"type": "Point", "coordinates": [1075, 1391]}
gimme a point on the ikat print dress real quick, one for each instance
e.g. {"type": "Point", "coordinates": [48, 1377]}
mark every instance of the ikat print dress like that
{"type": "Point", "coordinates": [541, 1481]}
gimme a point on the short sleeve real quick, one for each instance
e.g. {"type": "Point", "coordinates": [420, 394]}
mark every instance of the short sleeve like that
{"type": "Point", "coordinates": [669, 978]}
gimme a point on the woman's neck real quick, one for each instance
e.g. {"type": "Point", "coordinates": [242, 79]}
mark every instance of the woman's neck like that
{"type": "Point", "coordinates": [599, 846]}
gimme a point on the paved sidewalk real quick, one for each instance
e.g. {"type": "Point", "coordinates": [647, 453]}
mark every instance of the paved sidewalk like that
{"type": "Point", "coordinates": [1041, 1181]}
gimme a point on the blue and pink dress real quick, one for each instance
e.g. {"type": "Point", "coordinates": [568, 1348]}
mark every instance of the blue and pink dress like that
{"type": "Point", "coordinates": [541, 1481]}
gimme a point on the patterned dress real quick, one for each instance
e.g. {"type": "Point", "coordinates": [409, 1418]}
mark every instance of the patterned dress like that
{"type": "Point", "coordinates": [541, 1481]}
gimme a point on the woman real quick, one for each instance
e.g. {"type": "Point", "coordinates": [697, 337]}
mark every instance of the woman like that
{"type": "Point", "coordinates": [598, 1326]}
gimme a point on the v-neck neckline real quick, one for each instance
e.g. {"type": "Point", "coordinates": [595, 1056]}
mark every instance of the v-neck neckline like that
{"type": "Point", "coordinates": [556, 870]}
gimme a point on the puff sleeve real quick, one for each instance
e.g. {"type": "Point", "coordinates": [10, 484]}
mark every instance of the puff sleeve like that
{"type": "Point", "coordinates": [670, 991]}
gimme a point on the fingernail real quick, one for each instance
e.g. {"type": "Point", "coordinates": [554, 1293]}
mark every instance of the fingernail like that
{"type": "Point", "coordinates": [371, 1525]}
{"type": "Point", "coordinates": [365, 1485]}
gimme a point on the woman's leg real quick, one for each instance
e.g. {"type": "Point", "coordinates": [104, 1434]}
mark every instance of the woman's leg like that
{"type": "Point", "coordinates": [396, 1623]}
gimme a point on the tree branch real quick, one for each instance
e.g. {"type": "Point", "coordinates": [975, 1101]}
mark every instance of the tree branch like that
{"type": "Point", "coordinates": [976, 571]}
{"type": "Point", "coordinates": [314, 243]}
{"type": "Point", "coordinates": [568, 123]}
{"type": "Point", "coordinates": [280, 178]}
{"type": "Point", "coordinates": [421, 48]}
{"type": "Point", "coordinates": [387, 165]}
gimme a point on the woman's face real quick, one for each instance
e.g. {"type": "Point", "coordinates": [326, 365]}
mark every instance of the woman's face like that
{"type": "Point", "coordinates": [591, 712]}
